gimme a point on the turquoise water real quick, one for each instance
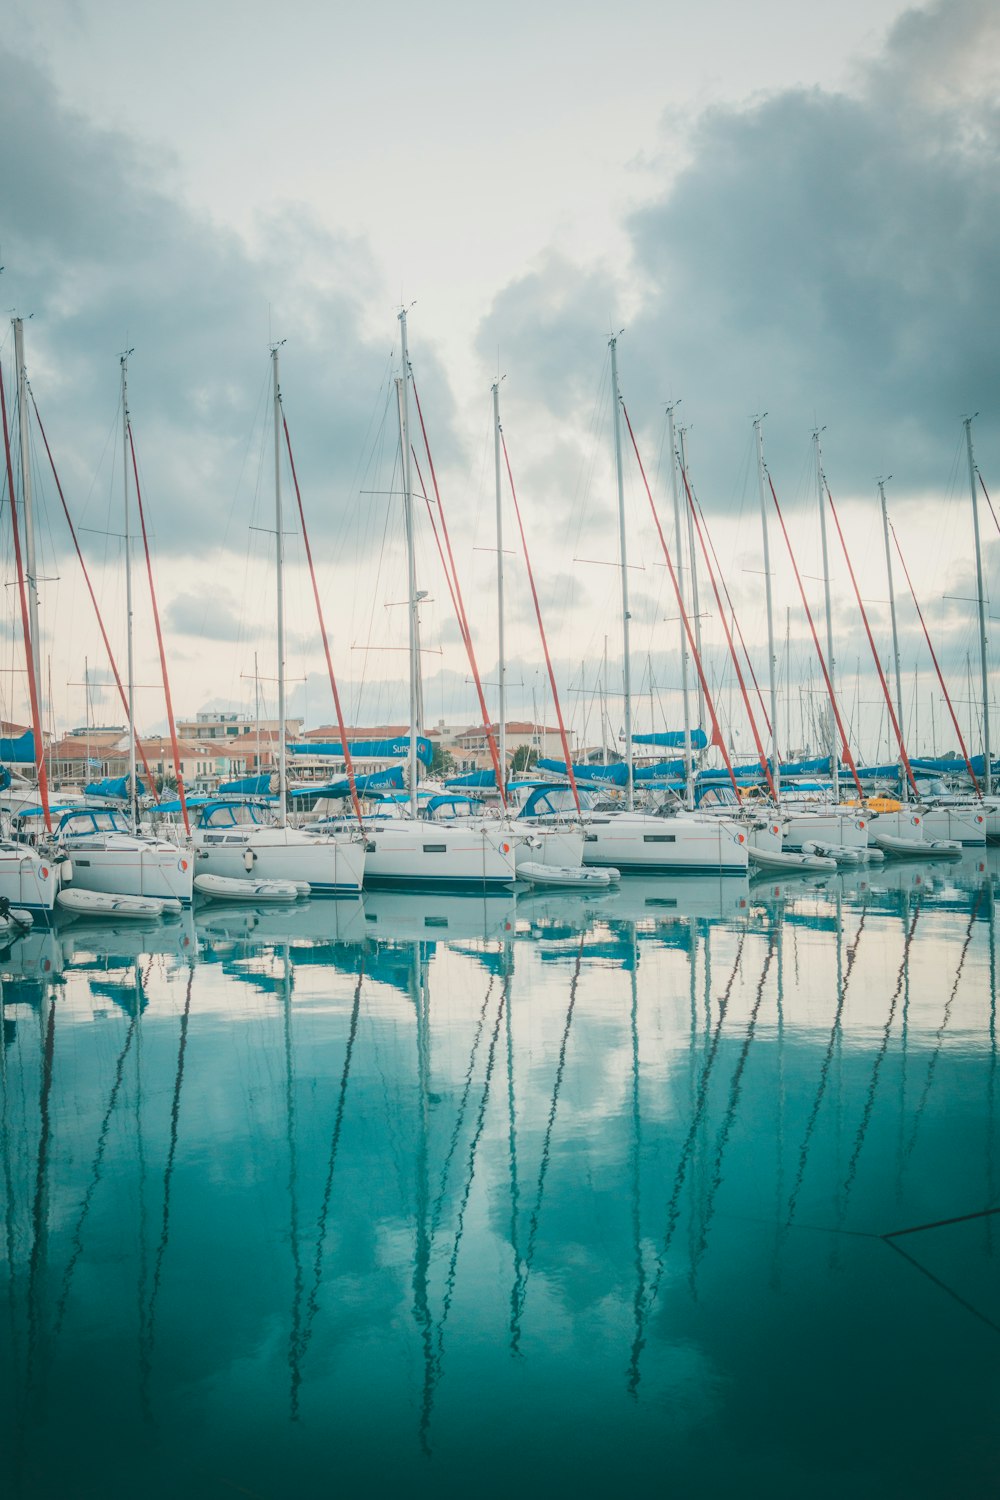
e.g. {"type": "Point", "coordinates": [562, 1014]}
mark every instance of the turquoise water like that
{"type": "Point", "coordinates": [555, 1196]}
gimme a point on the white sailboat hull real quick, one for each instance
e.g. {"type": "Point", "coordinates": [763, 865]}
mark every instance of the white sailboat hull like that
{"type": "Point", "coordinates": [29, 880]}
{"type": "Point", "coordinates": [842, 828]}
{"type": "Point", "coordinates": [330, 866]}
{"type": "Point", "coordinates": [119, 864]}
{"type": "Point", "coordinates": [439, 856]}
{"type": "Point", "coordinates": [964, 825]}
{"type": "Point", "coordinates": [681, 845]}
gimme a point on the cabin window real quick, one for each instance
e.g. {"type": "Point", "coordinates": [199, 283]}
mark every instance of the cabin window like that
{"type": "Point", "coordinates": [659, 838]}
{"type": "Point", "coordinates": [435, 848]}
{"type": "Point", "coordinates": [590, 838]}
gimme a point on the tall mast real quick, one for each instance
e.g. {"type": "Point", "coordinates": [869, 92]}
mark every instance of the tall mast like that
{"type": "Point", "coordinates": [693, 555]}
{"type": "Point", "coordinates": [280, 554]}
{"type": "Point", "coordinates": [31, 567]}
{"type": "Point", "coordinates": [771, 660]}
{"type": "Point", "coordinates": [688, 769]}
{"type": "Point", "coordinates": [830, 660]}
{"type": "Point", "coordinates": [502, 656]}
{"type": "Point", "coordinates": [892, 616]}
{"type": "Point", "coordinates": [626, 616]}
{"type": "Point", "coordinates": [987, 780]}
{"type": "Point", "coordinates": [129, 623]}
{"type": "Point", "coordinates": [402, 389]}
{"type": "Point", "coordinates": [788, 681]}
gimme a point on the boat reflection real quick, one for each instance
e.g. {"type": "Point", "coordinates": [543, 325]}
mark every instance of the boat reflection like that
{"type": "Point", "coordinates": [392, 1152]}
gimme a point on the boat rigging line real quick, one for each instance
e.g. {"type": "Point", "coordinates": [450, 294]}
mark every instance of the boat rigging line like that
{"type": "Point", "coordinates": [845, 747]}
{"type": "Point", "coordinates": [171, 721]}
{"type": "Point", "coordinates": [345, 747]}
{"type": "Point", "coordinates": [717, 736]}
{"type": "Point", "coordinates": [871, 641]}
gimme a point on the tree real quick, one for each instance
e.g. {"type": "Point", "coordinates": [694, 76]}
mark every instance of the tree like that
{"type": "Point", "coordinates": [442, 761]}
{"type": "Point", "coordinates": [523, 759]}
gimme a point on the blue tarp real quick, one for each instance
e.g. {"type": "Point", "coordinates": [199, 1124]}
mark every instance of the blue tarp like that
{"type": "Point", "coordinates": [374, 749]}
{"type": "Point", "coordinates": [20, 751]}
{"type": "Point", "coordinates": [673, 739]}
{"type": "Point", "coordinates": [617, 774]}
{"type": "Point", "coordinates": [250, 786]}
{"type": "Point", "coordinates": [113, 786]}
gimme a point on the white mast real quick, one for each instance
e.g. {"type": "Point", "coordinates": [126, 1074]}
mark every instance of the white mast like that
{"type": "Point", "coordinates": [502, 667]}
{"type": "Point", "coordinates": [132, 800]}
{"type": "Point", "coordinates": [771, 661]}
{"type": "Point", "coordinates": [895, 633]}
{"type": "Point", "coordinates": [280, 552]}
{"type": "Point", "coordinates": [693, 557]}
{"type": "Point", "coordinates": [830, 664]}
{"type": "Point", "coordinates": [982, 610]}
{"type": "Point", "coordinates": [678, 543]}
{"type": "Point", "coordinates": [626, 616]}
{"type": "Point", "coordinates": [402, 390]}
{"type": "Point", "coordinates": [31, 567]}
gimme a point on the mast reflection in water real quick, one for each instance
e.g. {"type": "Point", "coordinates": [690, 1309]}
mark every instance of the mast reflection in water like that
{"type": "Point", "coordinates": [691, 1182]}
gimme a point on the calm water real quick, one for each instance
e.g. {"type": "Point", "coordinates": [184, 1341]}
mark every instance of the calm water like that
{"type": "Point", "coordinates": [561, 1196]}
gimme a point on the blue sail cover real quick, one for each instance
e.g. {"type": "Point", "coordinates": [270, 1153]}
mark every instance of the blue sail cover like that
{"type": "Point", "coordinates": [373, 749]}
{"type": "Point", "coordinates": [473, 778]}
{"type": "Point", "coordinates": [820, 765]}
{"type": "Point", "coordinates": [617, 774]}
{"type": "Point", "coordinates": [382, 781]}
{"type": "Point", "coordinates": [113, 786]}
{"type": "Point", "coordinates": [662, 769]}
{"type": "Point", "coordinates": [673, 739]}
{"type": "Point", "coordinates": [20, 752]}
{"type": "Point", "coordinates": [250, 786]}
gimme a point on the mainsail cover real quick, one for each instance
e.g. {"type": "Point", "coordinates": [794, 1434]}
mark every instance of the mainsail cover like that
{"type": "Point", "coordinates": [397, 749]}
{"type": "Point", "coordinates": [19, 751]}
{"type": "Point", "coordinates": [673, 739]}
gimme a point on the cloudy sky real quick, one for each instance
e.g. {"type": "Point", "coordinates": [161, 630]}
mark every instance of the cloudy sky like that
{"type": "Point", "coordinates": [786, 208]}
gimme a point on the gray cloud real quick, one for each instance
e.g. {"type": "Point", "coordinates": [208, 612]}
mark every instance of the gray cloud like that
{"type": "Point", "coordinates": [210, 617]}
{"type": "Point", "coordinates": [104, 253]}
{"type": "Point", "coordinates": [826, 256]}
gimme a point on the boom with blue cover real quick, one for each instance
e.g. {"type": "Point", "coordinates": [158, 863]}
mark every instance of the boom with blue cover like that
{"type": "Point", "coordinates": [616, 774]}
{"type": "Point", "coordinates": [113, 786]}
{"type": "Point", "coordinates": [673, 739]}
{"type": "Point", "coordinates": [473, 778]}
{"type": "Point", "coordinates": [20, 752]}
{"type": "Point", "coordinates": [373, 749]}
{"type": "Point", "coordinates": [382, 781]}
{"type": "Point", "coordinates": [251, 786]}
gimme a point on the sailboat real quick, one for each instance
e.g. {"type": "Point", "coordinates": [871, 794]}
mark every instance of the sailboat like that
{"type": "Point", "coordinates": [236, 839]}
{"type": "Point", "coordinates": [671, 842]}
{"type": "Point", "coordinates": [402, 848]}
{"type": "Point", "coordinates": [29, 878]}
{"type": "Point", "coordinates": [109, 854]}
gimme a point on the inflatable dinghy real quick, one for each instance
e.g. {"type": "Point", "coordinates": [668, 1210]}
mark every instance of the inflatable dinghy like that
{"type": "Point", "coordinates": [103, 904]}
{"type": "Point", "coordinates": [588, 877]}
{"type": "Point", "coordinates": [841, 854]}
{"type": "Point", "coordinates": [784, 859]}
{"type": "Point", "coordinates": [232, 888]}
